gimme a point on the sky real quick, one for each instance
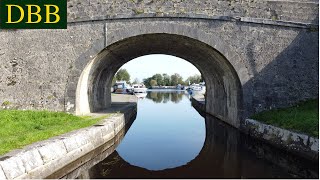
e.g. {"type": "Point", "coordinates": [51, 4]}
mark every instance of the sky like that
{"type": "Point", "coordinates": [146, 66]}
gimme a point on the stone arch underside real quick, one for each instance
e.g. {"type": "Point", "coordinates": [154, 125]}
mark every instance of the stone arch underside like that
{"type": "Point", "coordinates": [223, 97]}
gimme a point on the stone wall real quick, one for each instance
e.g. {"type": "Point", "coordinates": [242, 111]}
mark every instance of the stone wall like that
{"type": "Point", "coordinates": [297, 143]}
{"type": "Point", "coordinates": [35, 64]}
{"type": "Point", "coordinates": [294, 10]}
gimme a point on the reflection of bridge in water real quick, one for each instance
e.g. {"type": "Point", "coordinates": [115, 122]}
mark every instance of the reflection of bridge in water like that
{"type": "Point", "coordinates": [224, 154]}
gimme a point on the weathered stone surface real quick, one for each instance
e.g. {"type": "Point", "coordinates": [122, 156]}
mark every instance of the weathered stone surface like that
{"type": "Point", "coordinates": [95, 135]}
{"type": "Point", "coordinates": [199, 104]}
{"type": "Point", "coordinates": [35, 76]}
{"type": "Point", "coordinates": [107, 129]}
{"type": "Point", "coordinates": [51, 166]}
{"type": "Point", "coordinates": [82, 140]}
{"type": "Point", "coordinates": [13, 167]}
{"type": "Point", "coordinates": [301, 144]}
{"type": "Point", "coordinates": [314, 144]}
{"type": "Point", "coordinates": [118, 123]}
{"type": "Point", "coordinates": [99, 156]}
{"type": "Point", "coordinates": [52, 151]}
{"type": "Point", "coordinates": [294, 10]}
{"type": "Point", "coordinates": [31, 159]}
{"type": "Point", "coordinates": [2, 175]}
{"type": "Point", "coordinates": [71, 142]}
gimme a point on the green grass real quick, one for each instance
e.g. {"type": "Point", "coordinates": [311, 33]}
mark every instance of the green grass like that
{"type": "Point", "coordinates": [20, 128]}
{"type": "Point", "coordinates": [303, 117]}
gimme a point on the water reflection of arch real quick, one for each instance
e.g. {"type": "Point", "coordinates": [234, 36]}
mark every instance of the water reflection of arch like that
{"type": "Point", "coordinates": [224, 155]}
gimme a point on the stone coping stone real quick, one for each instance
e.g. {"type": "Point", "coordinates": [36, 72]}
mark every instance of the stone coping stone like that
{"type": "Point", "coordinates": [204, 17]}
{"type": "Point", "coordinates": [295, 142]}
{"type": "Point", "coordinates": [40, 159]}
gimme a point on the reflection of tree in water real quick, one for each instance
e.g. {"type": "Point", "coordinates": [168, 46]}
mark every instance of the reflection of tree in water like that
{"type": "Point", "coordinates": [164, 97]}
{"type": "Point", "coordinates": [155, 97]}
{"type": "Point", "coordinates": [176, 98]}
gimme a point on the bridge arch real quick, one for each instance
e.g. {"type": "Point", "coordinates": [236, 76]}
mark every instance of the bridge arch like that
{"type": "Point", "coordinates": [224, 94]}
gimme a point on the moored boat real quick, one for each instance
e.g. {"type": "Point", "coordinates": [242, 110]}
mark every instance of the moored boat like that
{"type": "Point", "coordinates": [197, 88]}
{"type": "Point", "coordinates": [139, 88]}
{"type": "Point", "coordinates": [121, 87]}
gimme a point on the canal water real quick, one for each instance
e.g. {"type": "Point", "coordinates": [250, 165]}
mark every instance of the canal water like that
{"type": "Point", "coordinates": [170, 139]}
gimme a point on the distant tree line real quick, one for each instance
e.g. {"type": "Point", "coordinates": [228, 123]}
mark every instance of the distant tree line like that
{"type": "Point", "coordinates": [163, 80]}
{"type": "Point", "coordinates": [173, 80]}
{"type": "Point", "coordinates": [158, 79]}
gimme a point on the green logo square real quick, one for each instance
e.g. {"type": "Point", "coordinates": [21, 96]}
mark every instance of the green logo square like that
{"type": "Point", "coordinates": [33, 14]}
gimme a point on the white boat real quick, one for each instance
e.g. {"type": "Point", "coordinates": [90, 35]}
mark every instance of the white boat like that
{"type": "Point", "coordinates": [198, 88]}
{"type": "Point", "coordinates": [139, 88]}
{"type": "Point", "coordinates": [203, 90]}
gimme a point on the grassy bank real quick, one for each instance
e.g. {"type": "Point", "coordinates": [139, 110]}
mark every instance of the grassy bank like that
{"type": "Point", "coordinates": [20, 128]}
{"type": "Point", "coordinates": [303, 117]}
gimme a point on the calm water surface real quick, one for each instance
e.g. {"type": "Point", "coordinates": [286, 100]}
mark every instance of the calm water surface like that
{"type": "Point", "coordinates": [170, 139]}
{"type": "Point", "coordinates": [167, 133]}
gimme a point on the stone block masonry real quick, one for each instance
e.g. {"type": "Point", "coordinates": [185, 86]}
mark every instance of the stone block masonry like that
{"type": "Point", "coordinates": [284, 10]}
{"type": "Point", "coordinates": [297, 143]}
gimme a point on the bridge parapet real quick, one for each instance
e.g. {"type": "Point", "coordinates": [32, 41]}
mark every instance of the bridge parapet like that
{"type": "Point", "coordinates": [304, 11]}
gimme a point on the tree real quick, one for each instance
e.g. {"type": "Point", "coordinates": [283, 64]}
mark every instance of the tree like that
{"type": "Point", "coordinates": [153, 82]}
{"type": "Point", "coordinates": [114, 80]}
{"type": "Point", "coordinates": [146, 82]}
{"type": "Point", "coordinates": [194, 79]}
{"type": "Point", "coordinates": [166, 80]}
{"type": "Point", "coordinates": [136, 81]}
{"type": "Point", "coordinates": [123, 75]}
{"type": "Point", "coordinates": [176, 79]}
{"type": "Point", "coordinates": [159, 79]}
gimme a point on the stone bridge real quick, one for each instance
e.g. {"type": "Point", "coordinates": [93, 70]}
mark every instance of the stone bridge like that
{"type": "Point", "coordinates": [253, 54]}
